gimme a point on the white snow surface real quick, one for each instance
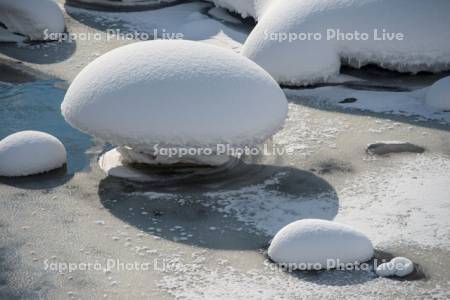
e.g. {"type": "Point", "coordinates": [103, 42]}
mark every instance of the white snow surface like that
{"type": "Point", "coordinates": [398, 266]}
{"type": "Point", "coordinates": [177, 93]}
{"type": "Point", "coordinates": [310, 243]}
{"type": "Point", "coordinates": [410, 104]}
{"type": "Point", "coordinates": [438, 95]}
{"type": "Point", "coordinates": [424, 25]}
{"type": "Point", "coordinates": [187, 19]}
{"type": "Point", "coordinates": [30, 152]}
{"type": "Point", "coordinates": [246, 8]}
{"type": "Point", "coordinates": [30, 18]}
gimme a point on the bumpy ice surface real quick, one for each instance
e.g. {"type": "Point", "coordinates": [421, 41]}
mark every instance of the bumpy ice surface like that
{"type": "Point", "coordinates": [424, 24]}
{"type": "Point", "coordinates": [318, 242]}
{"type": "Point", "coordinates": [177, 93]}
{"type": "Point", "coordinates": [30, 152]}
{"type": "Point", "coordinates": [29, 19]}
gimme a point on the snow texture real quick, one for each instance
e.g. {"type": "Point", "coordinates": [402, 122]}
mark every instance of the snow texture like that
{"type": "Point", "coordinates": [312, 242]}
{"type": "Point", "coordinates": [30, 152]}
{"type": "Point", "coordinates": [189, 19]}
{"type": "Point", "coordinates": [306, 60]}
{"type": "Point", "coordinates": [246, 8]}
{"type": "Point", "coordinates": [30, 18]}
{"type": "Point", "coordinates": [175, 93]}
{"type": "Point", "coordinates": [409, 104]}
{"type": "Point", "coordinates": [399, 266]}
{"type": "Point", "coordinates": [438, 95]}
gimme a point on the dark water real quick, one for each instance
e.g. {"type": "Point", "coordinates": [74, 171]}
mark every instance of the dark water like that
{"type": "Point", "coordinates": [36, 106]}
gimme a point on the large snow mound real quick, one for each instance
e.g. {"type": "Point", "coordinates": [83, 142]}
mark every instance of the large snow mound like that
{"type": "Point", "coordinates": [438, 95]}
{"type": "Point", "coordinates": [246, 8]}
{"type": "Point", "coordinates": [30, 152]}
{"type": "Point", "coordinates": [175, 93]}
{"type": "Point", "coordinates": [36, 20]}
{"type": "Point", "coordinates": [311, 243]}
{"type": "Point", "coordinates": [304, 42]}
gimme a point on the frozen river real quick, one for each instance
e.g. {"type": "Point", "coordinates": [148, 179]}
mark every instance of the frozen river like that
{"type": "Point", "coordinates": [206, 238]}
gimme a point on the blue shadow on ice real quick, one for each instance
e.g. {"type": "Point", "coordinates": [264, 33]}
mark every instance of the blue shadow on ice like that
{"type": "Point", "coordinates": [36, 106]}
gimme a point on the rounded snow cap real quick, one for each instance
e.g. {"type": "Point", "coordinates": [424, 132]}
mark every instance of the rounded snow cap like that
{"type": "Point", "coordinates": [177, 93]}
{"type": "Point", "coordinates": [438, 95]}
{"type": "Point", "coordinates": [36, 20]}
{"type": "Point", "coordinates": [318, 244]}
{"type": "Point", "coordinates": [30, 152]}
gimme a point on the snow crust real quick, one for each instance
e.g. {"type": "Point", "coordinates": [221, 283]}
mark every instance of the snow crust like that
{"type": "Point", "coordinates": [246, 8]}
{"type": "Point", "coordinates": [410, 104]}
{"type": "Point", "coordinates": [310, 241]}
{"type": "Point", "coordinates": [30, 18]}
{"type": "Point", "coordinates": [424, 25]}
{"type": "Point", "coordinates": [398, 266]}
{"type": "Point", "coordinates": [438, 95]}
{"type": "Point", "coordinates": [30, 152]}
{"type": "Point", "coordinates": [175, 93]}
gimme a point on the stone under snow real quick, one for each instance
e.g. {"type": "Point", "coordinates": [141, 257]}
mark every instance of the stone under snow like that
{"type": "Point", "coordinates": [305, 42]}
{"type": "Point", "coordinates": [398, 266]}
{"type": "Point", "coordinates": [30, 152]}
{"type": "Point", "coordinates": [30, 20]}
{"type": "Point", "coordinates": [175, 93]}
{"type": "Point", "coordinates": [310, 244]}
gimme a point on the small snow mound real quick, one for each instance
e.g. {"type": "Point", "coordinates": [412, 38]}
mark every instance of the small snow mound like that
{"type": "Point", "coordinates": [311, 243]}
{"type": "Point", "coordinates": [304, 42]}
{"type": "Point", "coordinates": [175, 94]}
{"type": "Point", "coordinates": [438, 95]}
{"type": "Point", "coordinates": [30, 152]}
{"type": "Point", "coordinates": [36, 20]}
{"type": "Point", "coordinates": [398, 266]}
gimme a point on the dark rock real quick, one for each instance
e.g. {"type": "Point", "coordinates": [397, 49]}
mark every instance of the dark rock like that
{"type": "Point", "coordinates": [393, 147]}
{"type": "Point", "coordinates": [348, 100]}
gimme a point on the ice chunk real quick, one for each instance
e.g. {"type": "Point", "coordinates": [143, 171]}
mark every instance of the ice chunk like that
{"type": "Point", "coordinates": [36, 20]}
{"type": "Point", "coordinates": [304, 42]}
{"type": "Point", "coordinates": [314, 244]}
{"type": "Point", "coordinates": [30, 152]}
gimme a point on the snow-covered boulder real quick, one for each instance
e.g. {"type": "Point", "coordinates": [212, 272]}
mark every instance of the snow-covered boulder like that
{"type": "Point", "coordinates": [36, 20]}
{"type": "Point", "coordinates": [438, 95]}
{"type": "Point", "coordinates": [319, 244]}
{"type": "Point", "coordinates": [174, 93]}
{"type": "Point", "coordinates": [30, 152]}
{"type": "Point", "coordinates": [246, 8]}
{"type": "Point", "coordinates": [398, 266]}
{"type": "Point", "coordinates": [304, 42]}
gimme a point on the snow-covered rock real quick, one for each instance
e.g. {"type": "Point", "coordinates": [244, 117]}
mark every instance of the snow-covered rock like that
{"type": "Point", "coordinates": [310, 244]}
{"type": "Point", "coordinates": [398, 266]}
{"type": "Point", "coordinates": [438, 95]}
{"type": "Point", "coordinates": [304, 42]}
{"type": "Point", "coordinates": [36, 20]}
{"type": "Point", "coordinates": [30, 152]}
{"type": "Point", "coordinates": [175, 93]}
{"type": "Point", "coordinates": [246, 8]}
